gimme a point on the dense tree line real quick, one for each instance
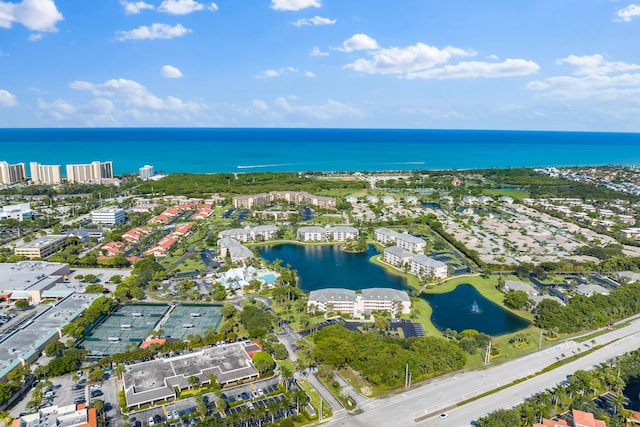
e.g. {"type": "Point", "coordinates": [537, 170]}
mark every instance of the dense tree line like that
{"type": "Point", "coordinates": [578, 393]}
{"type": "Point", "coordinates": [247, 183]}
{"type": "Point", "coordinates": [583, 312]}
{"type": "Point", "coordinates": [382, 360]}
{"type": "Point", "coordinates": [100, 307]}
{"type": "Point", "coordinates": [257, 322]}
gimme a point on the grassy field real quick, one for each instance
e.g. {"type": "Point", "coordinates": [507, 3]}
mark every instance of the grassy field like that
{"type": "Point", "coordinates": [516, 194]}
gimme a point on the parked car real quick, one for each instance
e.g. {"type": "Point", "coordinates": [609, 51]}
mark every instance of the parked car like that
{"type": "Point", "coordinates": [96, 393]}
{"type": "Point", "coordinates": [151, 422]}
{"type": "Point", "coordinates": [175, 415]}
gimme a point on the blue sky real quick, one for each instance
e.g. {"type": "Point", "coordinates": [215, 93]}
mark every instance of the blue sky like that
{"type": "Point", "coordinates": [455, 64]}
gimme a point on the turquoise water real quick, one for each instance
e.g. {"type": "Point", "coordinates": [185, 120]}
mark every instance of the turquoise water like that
{"type": "Point", "coordinates": [465, 308]}
{"type": "Point", "coordinates": [322, 267]}
{"type": "Point", "coordinates": [243, 150]}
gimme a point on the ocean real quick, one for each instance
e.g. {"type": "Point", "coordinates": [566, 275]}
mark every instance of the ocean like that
{"type": "Point", "coordinates": [197, 150]}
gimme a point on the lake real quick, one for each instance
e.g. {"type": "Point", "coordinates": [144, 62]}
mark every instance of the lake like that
{"type": "Point", "coordinates": [465, 308]}
{"type": "Point", "coordinates": [327, 266]}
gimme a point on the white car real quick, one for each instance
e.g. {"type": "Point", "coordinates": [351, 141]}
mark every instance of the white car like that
{"type": "Point", "coordinates": [151, 422]}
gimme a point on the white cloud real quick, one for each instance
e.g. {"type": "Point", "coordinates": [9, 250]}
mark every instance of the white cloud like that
{"type": "Point", "coordinates": [309, 74]}
{"type": "Point", "coordinates": [7, 99]}
{"type": "Point", "coordinates": [294, 4]}
{"type": "Point", "coordinates": [316, 20]}
{"type": "Point", "coordinates": [35, 37]}
{"type": "Point", "coordinates": [358, 42]}
{"type": "Point", "coordinates": [594, 78]}
{"type": "Point", "coordinates": [184, 7]}
{"type": "Point", "coordinates": [171, 72]}
{"type": "Point", "coordinates": [329, 110]}
{"type": "Point", "coordinates": [132, 93]}
{"type": "Point", "coordinates": [628, 13]}
{"type": "Point", "coordinates": [155, 31]}
{"type": "Point", "coordinates": [596, 65]}
{"type": "Point", "coordinates": [414, 58]}
{"type": "Point", "coordinates": [317, 52]}
{"type": "Point", "coordinates": [36, 15]}
{"type": "Point", "coordinates": [422, 61]}
{"type": "Point", "coordinates": [276, 73]}
{"type": "Point", "coordinates": [135, 7]}
{"type": "Point", "coordinates": [476, 69]}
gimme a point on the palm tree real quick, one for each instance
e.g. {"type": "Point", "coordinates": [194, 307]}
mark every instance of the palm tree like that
{"type": "Point", "coordinates": [260, 412]}
{"type": "Point", "coordinates": [286, 375]}
{"type": "Point", "coordinates": [272, 408]}
{"type": "Point", "coordinates": [301, 399]}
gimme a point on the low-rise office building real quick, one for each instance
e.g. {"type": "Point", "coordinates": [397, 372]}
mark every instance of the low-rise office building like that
{"type": "Point", "coordinates": [21, 212]}
{"type": "Point", "coordinates": [29, 279]}
{"type": "Point", "coordinates": [62, 416]}
{"type": "Point", "coordinates": [108, 216]}
{"type": "Point", "coordinates": [41, 247]}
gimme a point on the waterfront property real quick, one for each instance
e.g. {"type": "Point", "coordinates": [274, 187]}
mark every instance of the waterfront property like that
{"type": "Point", "coordinates": [339, 233]}
{"type": "Point", "coordinates": [157, 380]}
{"type": "Point", "coordinates": [94, 171]}
{"type": "Point", "coordinates": [42, 247]}
{"type": "Point", "coordinates": [297, 197]}
{"type": "Point", "coordinates": [251, 234]}
{"type": "Point", "coordinates": [45, 174]}
{"type": "Point", "coordinates": [12, 173]}
{"type": "Point", "coordinates": [419, 264]}
{"type": "Point", "coordinates": [359, 304]}
{"type": "Point", "coordinates": [403, 240]}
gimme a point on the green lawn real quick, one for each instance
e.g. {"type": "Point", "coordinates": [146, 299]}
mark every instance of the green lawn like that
{"type": "Point", "coordinates": [516, 194]}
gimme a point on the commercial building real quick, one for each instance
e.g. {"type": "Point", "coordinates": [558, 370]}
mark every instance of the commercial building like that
{"type": "Point", "coordinates": [108, 216]}
{"type": "Point", "coordinates": [403, 240]}
{"type": "Point", "coordinates": [29, 279]}
{"type": "Point", "coordinates": [297, 197]}
{"type": "Point", "coordinates": [62, 416]}
{"type": "Point", "coordinates": [89, 172]}
{"type": "Point", "coordinates": [12, 174]}
{"type": "Point", "coordinates": [146, 172]}
{"type": "Point", "coordinates": [359, 305]}
{"type": "Point", "coordinates": [20, 212]}
{"type": "Point", "coordinates": [157, 380]}
{"type": "Point", "coordinates": [339, 233]}
{"type": "Point", "coordinates": [42, 247]}
{"type": "Point", "coordinates": [45, 174]}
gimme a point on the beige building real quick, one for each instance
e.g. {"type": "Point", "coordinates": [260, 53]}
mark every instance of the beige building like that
{"type": "Point", "coordinates": [11, 174]}
{"type": "Point", "coordinates": [89, 172]}
{"type": "Point", "coordinates": [297, 197]}
{"type": "Point", "coordinates": [359, 305]}
{"type": "Point", "coordinates": [41, 247]}
{"type": "Point", "coordinates": [45, 174]}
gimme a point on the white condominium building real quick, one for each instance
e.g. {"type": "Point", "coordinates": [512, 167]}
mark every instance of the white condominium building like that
{"type": "Point", "coordinates": [339, 233]}
{"type": "Point", "coordinates": [45, 174]}
{"type": "Point", "coordinates": [251, 234]}
{"type": "Point", "coordinates": [422, 265]}
{"type": "Point", "coordinates": [358, 305]}
{"type": "Point", "coordinates": [11, 174]}
{"type": "Point", "coordinates": [146, 172]}
{"type": "Point", "coordinates": [403, 240]}
{"type": "Point", "coordinates": [298, 197]}
{"type": "Point", "coordinates": [89, 172]}
{"type": "Point", "coordinates": [109, 216]}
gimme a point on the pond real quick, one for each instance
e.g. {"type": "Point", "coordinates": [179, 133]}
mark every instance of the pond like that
{"type": "Point", "coordinates": [327, 266]}
{"type": "Point", "coordinates": [465, 308]}
{"type": "Point", "coordinates": [632, 392]}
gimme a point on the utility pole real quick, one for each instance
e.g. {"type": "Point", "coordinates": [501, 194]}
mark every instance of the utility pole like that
{"type": "Point", "coordinates": [320, 406]}
{"type": "Point", "coordinates": [406, 376]}
{"type": "Point", "coordinates": [540, 342]}
{"type": "Point", "coordinates": [487, 355]}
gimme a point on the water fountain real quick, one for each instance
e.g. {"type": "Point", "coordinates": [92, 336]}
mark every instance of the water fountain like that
{"type": "Point", "coordinates": [475, 309]}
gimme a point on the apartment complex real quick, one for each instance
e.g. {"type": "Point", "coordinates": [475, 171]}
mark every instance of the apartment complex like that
{"type": "Point", "coordinates": [578, 419]}
{"type": "Point", "coordinates": [146, 172]}
{"type": "Point", "coordinates": [251, 234]}
{"type": "Point", "coordinates": [234, 249]}
{"type": "Point", "coordinates": [403, 240]}
{"type": "Point", "coordinates": [358, 305]}
{"type": "Point", "coordinates": [42, 247]}
{"type": "Point", "coordinates": [89, 172]}
{"type": "Point", "coordinates": [12, 173]}
{"type": "Point", "coordinates": [297, 197]}
{"type": "Point", "coordinates": [419, 264]}
{"type": "Point", "coordinates": [108, 216]}
{"type": "Point", "coordinates": [45, 174]}
{"type": "Point", "coordinates": [339, 233]}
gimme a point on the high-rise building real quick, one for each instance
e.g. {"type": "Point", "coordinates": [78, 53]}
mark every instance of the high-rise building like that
{"type": "Point", "coordinates": [146, 172]}
{"type": "Point", "coordinates": [11, 174]}
{"type": "Point", "coordinates": [45, 174]}
{"type": "Point", "coordinates": [88, 172]}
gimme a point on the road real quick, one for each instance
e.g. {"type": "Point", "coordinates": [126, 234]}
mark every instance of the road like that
{"type": "Point", "coordinates": [414, 406]}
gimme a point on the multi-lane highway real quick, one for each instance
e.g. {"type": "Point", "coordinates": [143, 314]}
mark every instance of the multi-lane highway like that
{"type": "Point", "coordinates": [423, 405]}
